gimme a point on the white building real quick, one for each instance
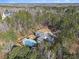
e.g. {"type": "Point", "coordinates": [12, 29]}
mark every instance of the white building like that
{"type": "Point", "coordinates": [6, 14]}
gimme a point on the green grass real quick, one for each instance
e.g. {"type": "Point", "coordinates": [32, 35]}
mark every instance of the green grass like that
{"type": "Point", "coordinates": [9, 35]}
{"type": "Point", "coordinates": [18, 52]}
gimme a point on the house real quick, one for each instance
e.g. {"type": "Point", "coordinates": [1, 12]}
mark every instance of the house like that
{"type": "Point", "coordinates": [6, 13]}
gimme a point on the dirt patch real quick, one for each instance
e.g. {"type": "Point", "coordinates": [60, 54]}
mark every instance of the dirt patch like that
{"type": "Point", "coordinates": [74, 48]}
{"type": "Point", "coordinates": [44, 30]}
{"type": "Point", "coordinates": [3, 55]}
{"type": "Point", "coordinates": [2, 43]}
